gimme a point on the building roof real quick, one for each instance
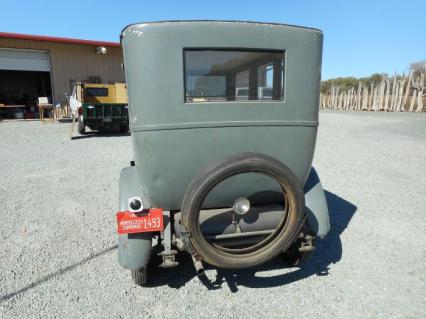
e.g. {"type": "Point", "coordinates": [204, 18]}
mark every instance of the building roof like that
{"type": "Point", "coordinates": [57, 39]}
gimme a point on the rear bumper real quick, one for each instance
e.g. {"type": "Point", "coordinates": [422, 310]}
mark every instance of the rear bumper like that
{"type": "Point", "coordinates": [96, 124]}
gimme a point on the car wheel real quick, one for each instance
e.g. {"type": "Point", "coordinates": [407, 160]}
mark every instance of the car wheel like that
{"type": "Point", "coordinates": [283, 236]}
{"type": "Point", "coordinates": [81, 127]}
{"type": "Point", "coordinates": [139, 276]}
{"type": "Point", "coordinates": [296, 259]}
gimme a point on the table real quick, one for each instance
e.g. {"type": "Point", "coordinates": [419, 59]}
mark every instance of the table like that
{"type": "Point", "coordinates": [12, 107]}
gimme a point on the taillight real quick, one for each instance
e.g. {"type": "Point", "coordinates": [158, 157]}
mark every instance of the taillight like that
{"type": "Point", "coordinates": [80, 110]}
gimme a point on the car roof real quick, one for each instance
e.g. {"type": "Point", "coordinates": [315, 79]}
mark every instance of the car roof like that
{"type": "Point", "coordinates": [221, 21]}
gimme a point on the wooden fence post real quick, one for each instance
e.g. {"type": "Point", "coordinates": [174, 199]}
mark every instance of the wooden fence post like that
{"type": "Point", "coordinates": [420, 93]}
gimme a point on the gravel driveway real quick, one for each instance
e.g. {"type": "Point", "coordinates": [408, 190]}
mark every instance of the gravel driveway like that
{"type": "Point", "coordinates": [58, 244]}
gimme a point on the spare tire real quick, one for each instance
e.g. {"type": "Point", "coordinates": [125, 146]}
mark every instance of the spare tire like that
{"type": "Point", "coordinates": [284, 235]}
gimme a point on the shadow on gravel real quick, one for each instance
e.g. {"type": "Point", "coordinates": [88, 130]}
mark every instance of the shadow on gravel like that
{"type": "Point", "coordinates": [65, 120]}
{"type": "Point", "coordinates": [99, 134]}
{"type": "Point", "coordinates": [329, 251]}
{"type": "Point", "coordinates": [56, 273]}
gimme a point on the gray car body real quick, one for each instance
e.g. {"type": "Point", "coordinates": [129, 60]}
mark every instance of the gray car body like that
{"type": "Point", "coordinates": [174, 140]}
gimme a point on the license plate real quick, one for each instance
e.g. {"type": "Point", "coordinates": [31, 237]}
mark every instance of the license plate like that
{"type": "Point", "coordinates": [146, 221]}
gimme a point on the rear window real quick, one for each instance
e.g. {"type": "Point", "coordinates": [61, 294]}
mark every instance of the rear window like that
{"type": "Point", "coordinates": [96, 92]}
{"type": "Point", "coordinates": [233, 75]}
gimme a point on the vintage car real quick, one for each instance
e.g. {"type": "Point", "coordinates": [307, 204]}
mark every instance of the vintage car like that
{"type": "Point", "coordinates": [224, 176]}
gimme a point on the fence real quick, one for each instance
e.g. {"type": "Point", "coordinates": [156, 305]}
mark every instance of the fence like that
{"type": "Point", "coordinates": [397, 94]}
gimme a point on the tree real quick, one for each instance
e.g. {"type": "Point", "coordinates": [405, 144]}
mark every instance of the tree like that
{"type": "Point", "coordinates": [376, 78]}
{"type": "Point", "coordinates": [346, 83]}
{"type": "Point", "coordinates": [418, 67]}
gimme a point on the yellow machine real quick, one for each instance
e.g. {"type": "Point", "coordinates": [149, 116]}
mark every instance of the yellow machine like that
{"type": "Point", "coordinates": [103, 93]}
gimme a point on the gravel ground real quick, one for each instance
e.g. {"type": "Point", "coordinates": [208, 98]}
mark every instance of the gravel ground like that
{"type": "Point", "coordinates": [58, 244]}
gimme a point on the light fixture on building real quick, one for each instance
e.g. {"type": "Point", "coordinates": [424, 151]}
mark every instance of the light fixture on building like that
{"type": "Point", "coordinates": [101, 50]}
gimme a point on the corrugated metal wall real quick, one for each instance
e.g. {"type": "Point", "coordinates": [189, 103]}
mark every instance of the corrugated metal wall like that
{"type": "Point", "coordinates": [74, 62]}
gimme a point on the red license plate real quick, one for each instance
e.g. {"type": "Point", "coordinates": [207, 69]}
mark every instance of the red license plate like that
{"type": "Point", "coordinates": [149, 221]}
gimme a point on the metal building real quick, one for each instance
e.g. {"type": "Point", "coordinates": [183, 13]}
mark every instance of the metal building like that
{"type": "Point", "coordinates": [32, 66]}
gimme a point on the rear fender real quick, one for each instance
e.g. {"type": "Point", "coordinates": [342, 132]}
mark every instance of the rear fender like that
{"type": "Point", "coordinates": [316, 208]}
{"type": "Point", "coordinates": [134, 250]}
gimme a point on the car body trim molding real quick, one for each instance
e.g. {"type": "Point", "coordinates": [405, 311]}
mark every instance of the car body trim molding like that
{"type": "Point", "coordinates": [177, 126]}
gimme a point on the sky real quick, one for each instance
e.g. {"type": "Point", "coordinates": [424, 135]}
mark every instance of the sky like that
{"type": "Point", "coordinates": [360, 37]}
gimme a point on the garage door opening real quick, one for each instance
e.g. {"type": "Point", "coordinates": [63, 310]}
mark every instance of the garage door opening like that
{"type": "Point", "coordinates": [24, 77]}
{"type": "Point", "coordinates": [22, 88]}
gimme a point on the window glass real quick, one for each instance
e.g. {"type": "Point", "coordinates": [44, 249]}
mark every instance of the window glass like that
{"type": "Point", "coordinates": [232, 75]}
{"type": "Point", "coordinates": [96, 92]}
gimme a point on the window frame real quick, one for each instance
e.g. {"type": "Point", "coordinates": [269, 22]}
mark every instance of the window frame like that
{"type": "Point", "coordinates": [87, 89]}
{"type": "Point", "coordinates": [261, 101]}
